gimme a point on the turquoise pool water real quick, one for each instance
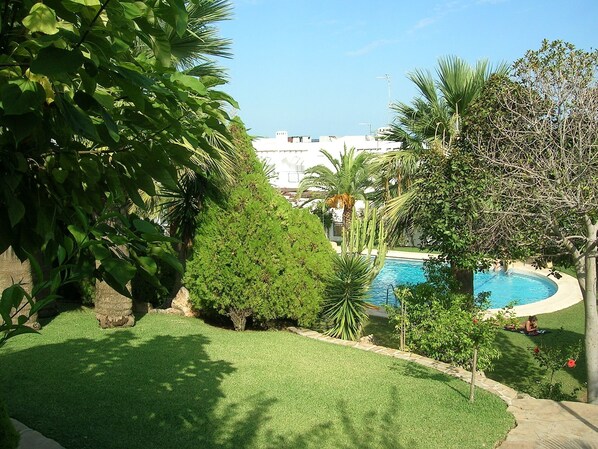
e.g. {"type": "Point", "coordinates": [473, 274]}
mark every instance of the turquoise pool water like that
{"type": "Point", "coordinates": [503, 287]}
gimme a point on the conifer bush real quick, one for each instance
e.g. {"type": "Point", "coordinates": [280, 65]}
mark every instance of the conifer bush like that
{"type": "Point", "coordinates": [256, 256]}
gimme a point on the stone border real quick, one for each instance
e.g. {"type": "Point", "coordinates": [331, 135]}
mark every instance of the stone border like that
{"type": "Point", "coordinates": [32, 439]}
{"type": "Point", "coordinates": [507, 394]}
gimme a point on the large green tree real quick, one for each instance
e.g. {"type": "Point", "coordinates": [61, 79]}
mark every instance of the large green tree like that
{"type": "Point", "coordinates": [537, 132]}
{"type": "Point", "coordinates": [93, 111]}
{"type": "Point", "coordinates": [341, 186]}
{"type": "Point", "coordinates": [442, 202]}
{"type": "Point", "coordinates": [179, 207]}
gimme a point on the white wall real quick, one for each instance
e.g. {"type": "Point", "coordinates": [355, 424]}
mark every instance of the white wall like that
{"type": "Point", "coordinates": [291, 159]}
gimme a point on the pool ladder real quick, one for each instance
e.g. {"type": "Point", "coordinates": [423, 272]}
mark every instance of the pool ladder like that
{"type": "Point", "coordinates": [392, 287]}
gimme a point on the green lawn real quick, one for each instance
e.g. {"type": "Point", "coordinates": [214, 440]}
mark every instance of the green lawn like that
{"type": "Point", "coordinates": [173, 382]}
{"type": "Point", "coordinates": [517, 367]}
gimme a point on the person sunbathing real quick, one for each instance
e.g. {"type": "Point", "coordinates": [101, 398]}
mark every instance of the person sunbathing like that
{"type": "Point", "coordinates": [530, 327]}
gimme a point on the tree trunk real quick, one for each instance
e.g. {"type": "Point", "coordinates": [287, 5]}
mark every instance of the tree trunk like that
{"type": "Point", "coordinates": [591, 330]}
{"type": "Point", "coordinates": [13, 271]}
{"type": "Point", "coordinates": [347, 216]}
{"type": "Point", "coordinates": [177, 284]}
{"type": "Point", "coordinates": [464, 280]}
{"type": "Point", "coordinates": [239, 317]}
{"type": "Point", "coordinates": [474, 367]}
{"type": "Point", "coordinates": [113, 309]}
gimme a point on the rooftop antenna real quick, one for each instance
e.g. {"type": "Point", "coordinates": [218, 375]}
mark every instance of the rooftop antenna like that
{"type": "Point", "coordinates": [387, 78]}
{"type": "Point", "coordinates": [367, 124]}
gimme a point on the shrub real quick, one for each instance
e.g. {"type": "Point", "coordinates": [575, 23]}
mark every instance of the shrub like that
{"type": "Point", "coordinates": [256, 256]}
{"type": "Point", "coordinates": [354, 270]}
{"type": "Point", "coordinates": [552, 359]}
{"type": "Point", "coordinates": [442, 324]}
{"type": "Point", "coordinates": [346, 293]}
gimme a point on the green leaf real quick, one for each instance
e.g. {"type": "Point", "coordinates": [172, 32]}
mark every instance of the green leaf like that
{"type": "Point", "coordinates": [91, 170]}
{"type": "Point", "coordinates": [77, 119]}
{"type": "Point", "coordinates": [144, 226]}
{"type": "Point", "coordinates": [79, 234]}
{"type": "Point", "coordinates": [16, 211]}
{"type": "Point", "coordinates": [22, 330]}
{"type": "Point", "coordinates": [99, 251]}
{"type": "Point", "coordinates": [21, 96]}
{"type": "Point", "coordinates": [189, 81]}
{"type": "Point", "coordinates": [11, 299]}
{"type": "Point", "coordinates": [222, 96]}
{"type": "Point", "coordinates": [59, 175]}
{"type": "Point", "coordinates": [131, 10]}
{"type": "Point", "coordinates": [41, 19]}
{"type": "Point", "coordinates": [161, 48]}
{"type": "Point", "coordinates": [78, 5]}
{"type": "Point", "coordinates": [148, 264]}
{"type": "Point", "coordinates": [180, 16]}
{"type": "Point", "coordinates": [52, 61]}
{"type": "Point", "coordinates": [111, 126]}
{"type": "Point", "coordinates": [167, 257]}
{"type": "Point", "coordinates": [61, 254]}
{"type": "Point", "coordinates": [121, 270]}
{"type": "Point", "coordinates": [69, 245]}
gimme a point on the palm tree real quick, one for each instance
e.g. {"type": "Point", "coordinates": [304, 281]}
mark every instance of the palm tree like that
{"type": "Point", "coordinates": [340, 186]}
{"type": "Point", "coordinates": [192, 51]}
{"type": "Point", "coordinates": [394, 173]}
{"type": "Point", "coordinates": [434, 122]}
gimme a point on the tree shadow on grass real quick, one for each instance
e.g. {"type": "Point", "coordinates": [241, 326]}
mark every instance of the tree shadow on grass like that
{"type": "Point", "coordinates": [345, 431]}
{"type": "Point", "coordinates": [122, 393]}
{"type": "Point", "coordinates": [412, 369]}
{"type": "Point", "coordinates": [517, 368]}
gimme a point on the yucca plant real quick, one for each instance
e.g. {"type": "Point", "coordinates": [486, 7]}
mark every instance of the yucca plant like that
{"type": "Point", "coordinates": [354, 270]}
{"type": "Point", "coordinates": [346, 293]}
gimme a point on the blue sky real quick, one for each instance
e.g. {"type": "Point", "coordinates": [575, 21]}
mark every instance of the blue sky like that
{"type": "Point", "coordinates": [317, 67]}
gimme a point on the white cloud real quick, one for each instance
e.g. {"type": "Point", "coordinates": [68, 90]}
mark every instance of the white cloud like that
{"type": "Point", "coordinates": [449, 7]}
{"type": "Point", "coordinates": [426, 21]}
{"type": "Point", "coordinates": [368, 48]}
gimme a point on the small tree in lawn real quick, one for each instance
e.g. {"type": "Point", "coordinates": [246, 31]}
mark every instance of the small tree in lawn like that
{"type": "Point", "coordinates": [254, 255]}
{"type": "Point", "coordinates": [553, 359]}
{"type": "Point", "coordinates": [538, 132]}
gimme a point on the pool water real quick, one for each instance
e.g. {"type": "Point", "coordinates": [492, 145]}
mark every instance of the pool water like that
{"type": "Point", "coordinates": [504, 287]}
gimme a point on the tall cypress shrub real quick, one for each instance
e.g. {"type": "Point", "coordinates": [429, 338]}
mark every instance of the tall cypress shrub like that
{"type": "Point", "coordinates": [255, 255]}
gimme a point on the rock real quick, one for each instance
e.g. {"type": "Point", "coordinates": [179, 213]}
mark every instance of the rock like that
{"type": "Point", "coordinates": [182, 302]}
{"type": "Point", "coordinates": [169, 311]}
{"type": "Point", "coordinates": [367, 339]}
{"type": "Point", "coordinates": [142, 307]}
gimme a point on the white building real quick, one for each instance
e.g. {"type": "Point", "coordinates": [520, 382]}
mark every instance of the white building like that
{"type": "Point", "coordinates": [292, 155]}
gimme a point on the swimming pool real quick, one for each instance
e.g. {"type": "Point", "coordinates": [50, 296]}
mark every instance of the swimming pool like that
{"type": "Point", "coordinates": [504, 287]}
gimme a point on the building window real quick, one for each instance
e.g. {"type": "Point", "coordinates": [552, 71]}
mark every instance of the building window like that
{"type": "Point", "coordinates": [337, 230]}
